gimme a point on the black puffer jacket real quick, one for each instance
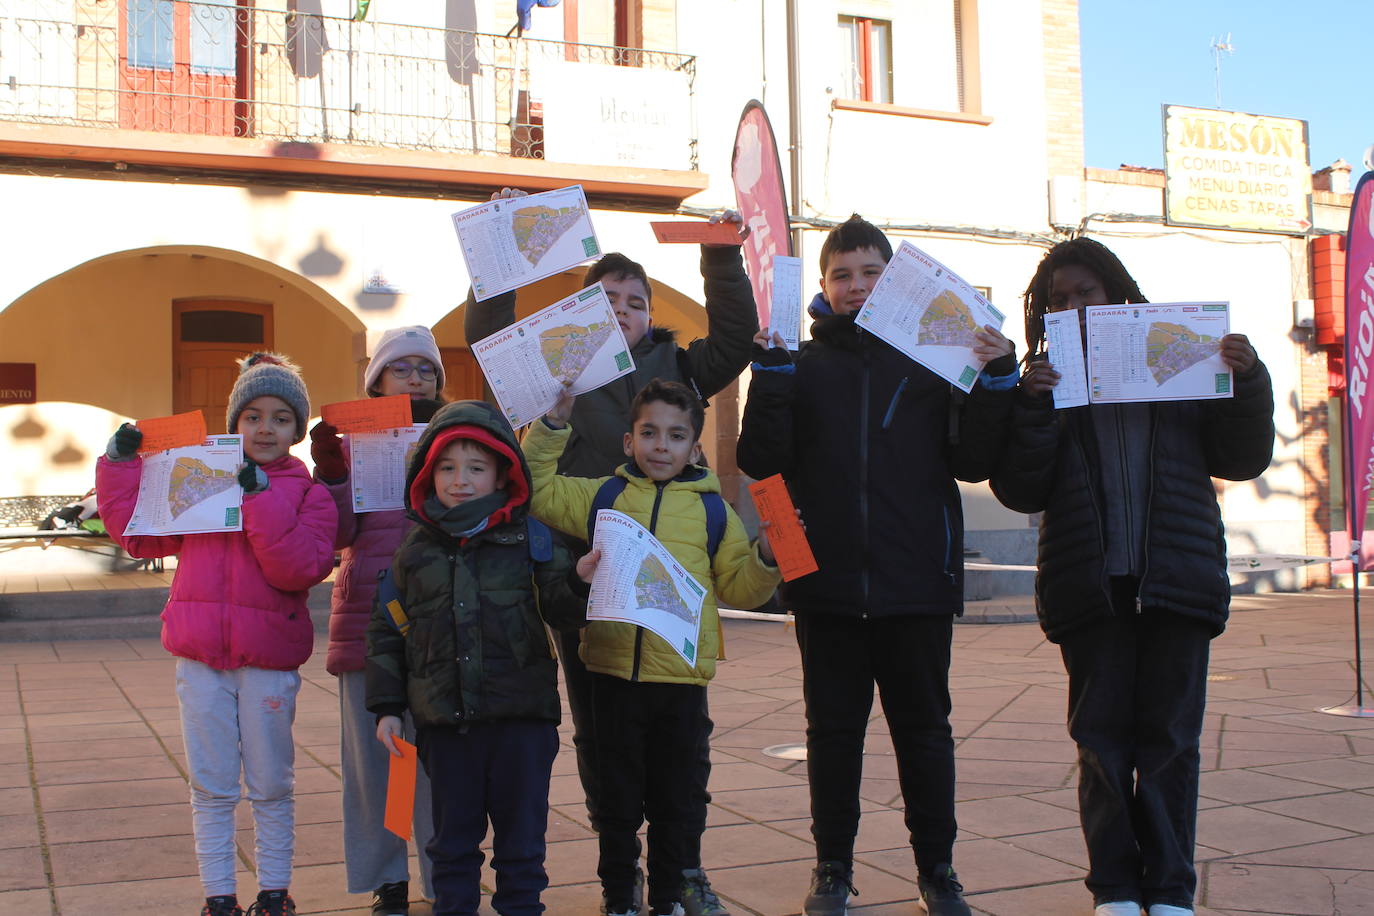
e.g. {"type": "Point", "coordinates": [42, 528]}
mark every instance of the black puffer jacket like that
{"type": "Point", "coordinates": [1051, 465]}
{"type": "Point", "coordinates": [476, 649]}
{"type": "Point", "coordinates": [870, 444]}
{"type": "Point", "coordinates": [601, 418]}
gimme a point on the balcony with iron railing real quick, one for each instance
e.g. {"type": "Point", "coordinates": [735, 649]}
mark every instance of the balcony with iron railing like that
{"type": "Point", "coordinates": [292, 80]}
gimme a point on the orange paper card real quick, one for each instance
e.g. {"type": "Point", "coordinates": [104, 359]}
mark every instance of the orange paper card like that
{"type": "Point", "coordinates": [161, 433]}
{"type": "Point", "coordinates": [694, 233]}
{"type": "Point", "coordinates": [400, 790]}
{"type": "Point", "coordinates": [786, 536]}
{"type": "Point", "coordinates": [370, 415]}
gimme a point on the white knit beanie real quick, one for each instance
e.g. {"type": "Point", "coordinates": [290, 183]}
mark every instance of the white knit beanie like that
{"type": "Point", "coordinates": [398, 343]}
{"type": "Point", "coordinates": [264, 373]}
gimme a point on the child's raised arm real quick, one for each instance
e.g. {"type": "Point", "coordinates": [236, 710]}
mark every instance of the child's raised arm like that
{"type": "Point", "coordinates": [558, 501]}
{"type": "Point", "coordinates": [765, 438]}
{"type": "Point", "coordinates": [292, 540]}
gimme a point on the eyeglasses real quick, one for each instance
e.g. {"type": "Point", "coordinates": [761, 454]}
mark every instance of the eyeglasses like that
{"type": "Point", "coordinates": [402, 369]}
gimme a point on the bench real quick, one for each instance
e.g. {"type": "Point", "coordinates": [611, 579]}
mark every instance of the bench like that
{"type": "Point", "coordinates": [21, 516]}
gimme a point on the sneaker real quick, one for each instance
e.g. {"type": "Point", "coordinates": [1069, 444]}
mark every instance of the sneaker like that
{"type": "Point", "coordinates": [831, 885]}
{"type": "Point", "coordinates": [221, 905]}
{"type": "Point", "coordinates": [272, 903]}
{"type": "Point", "coordinates": [675, 910]}
{"type": "Point", "coordinates": [628, 911]}
{"type": "Point", "coordinates": [942, 894]}
{"type": "Point", "coordinates": [636, 901]}
{"type": "Point", "coordinates": [1167, 909]}
{"type": "Point", "coordinates": [1117, 908]}
{"type": "Point", "coordinates": [391, 899]}
{"type": "Point", "coordinates": [697, 897]}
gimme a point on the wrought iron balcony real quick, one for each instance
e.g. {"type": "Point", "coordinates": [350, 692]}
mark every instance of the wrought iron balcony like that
{"type": "Point", "coordinates": [224, 69]}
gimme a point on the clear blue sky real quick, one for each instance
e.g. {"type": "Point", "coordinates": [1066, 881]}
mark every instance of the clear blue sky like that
{"type": "Point", "coordinates": [1309, 60]}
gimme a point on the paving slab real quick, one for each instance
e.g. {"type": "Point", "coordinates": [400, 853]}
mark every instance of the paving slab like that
{"type": "Point", "coordinates": [94, 815]}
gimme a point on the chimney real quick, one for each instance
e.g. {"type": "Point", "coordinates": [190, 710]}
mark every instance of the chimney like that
{"type": "Point", "coordinates": [1335, 178]}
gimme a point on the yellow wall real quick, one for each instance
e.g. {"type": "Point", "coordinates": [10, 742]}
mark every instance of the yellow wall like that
{"type": "Point", "coordinates": [101, 335]}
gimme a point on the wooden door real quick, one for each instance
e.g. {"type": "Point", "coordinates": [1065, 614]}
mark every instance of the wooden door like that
{"type": "Point", "coordinates": [208, 337]}
{"type": "Point", "coordinates": [183, 66]}
{"type": "Point", "coordinates": [462, 376]}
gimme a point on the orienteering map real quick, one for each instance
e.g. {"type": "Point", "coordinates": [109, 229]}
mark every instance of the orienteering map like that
{"type": "Point", "coordinates": [513, 242]}
{"type": "Point", "coordinates": [1157, 352]}
{"type": "Point", "coordinates": [928, 312]}
{"type": "Point", "coordinates": [638, 581]}
{"type": "Point", "coordinates": [576, 342]}
{"type": "Point", "coordinates": [190, 490]}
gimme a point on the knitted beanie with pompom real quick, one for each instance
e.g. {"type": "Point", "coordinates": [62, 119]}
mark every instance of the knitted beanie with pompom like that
{"type": "Point", "coordinates": [264, 373]}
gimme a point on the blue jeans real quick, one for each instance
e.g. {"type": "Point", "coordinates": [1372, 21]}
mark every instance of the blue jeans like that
{"type": "Point", "coordinates": [1137, 687]}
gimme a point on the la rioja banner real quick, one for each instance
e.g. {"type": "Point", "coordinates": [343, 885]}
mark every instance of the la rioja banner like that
{"type": "Point", "coordinates": [1359, 358]}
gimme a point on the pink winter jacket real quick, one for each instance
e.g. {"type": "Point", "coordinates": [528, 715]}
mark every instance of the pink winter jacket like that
{"type": "Point", "coordinates": [239, 598]}
{"type": "Point", "coordinates": [368, 541]}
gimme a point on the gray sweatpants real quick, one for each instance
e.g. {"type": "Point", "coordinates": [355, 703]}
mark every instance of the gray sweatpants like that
{"type": "Point", "coordinates": [373, 855]}
{"type": "Point", "coordinates": [236, 726]}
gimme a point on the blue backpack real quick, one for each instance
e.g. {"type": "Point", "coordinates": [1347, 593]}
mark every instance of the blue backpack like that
{"type": "Point", "coordinates": [714, 505]}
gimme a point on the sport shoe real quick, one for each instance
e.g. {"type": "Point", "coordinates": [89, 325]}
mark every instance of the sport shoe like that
{"type": "Point", "coordinates": [636, 900]}
{"type": "Point", "coordinates": [1117, 908]}
{"type": "Point", "coordinates": [391, 899]}
{"type": "Point", "coordinates": [221, 905]}
{"type": "Point", "coordinates": [697, 897]}
{"type": "Point", "coordinates": [942, 894]}
{"type": "Point", "coordinates": [1168, 909]}
{"type": "Point", "coordinates": [831, 885]}
{"type": "Point", "coordinates": [628, 911]}
{"type": "Point", "coordinates": [675, 910]}
{"type": "Point", "coordinates": [272, 903]}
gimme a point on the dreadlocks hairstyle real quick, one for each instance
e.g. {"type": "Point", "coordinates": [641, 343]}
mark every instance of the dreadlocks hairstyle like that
{"type": "Point", "coordinates": [1090, 255]}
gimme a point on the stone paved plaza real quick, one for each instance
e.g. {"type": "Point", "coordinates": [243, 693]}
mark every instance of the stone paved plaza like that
{"type": "Point", "coordinates": [94, 819]}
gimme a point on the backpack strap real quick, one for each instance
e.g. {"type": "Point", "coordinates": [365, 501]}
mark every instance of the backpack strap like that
{"type": "Point", "coordinates": [389, 597]}
{"type": "Point", "coordinates": [605, 498]}
{"type": "Point", "coordinates": [716, 519]}
{"type": "Point", "coordinates": [540, 539]}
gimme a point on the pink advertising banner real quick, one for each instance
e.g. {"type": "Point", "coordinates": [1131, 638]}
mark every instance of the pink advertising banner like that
{"type": "Point", "coordinates": [1359, 356]}
{"type": "Point", "coordinates": [761, 198]}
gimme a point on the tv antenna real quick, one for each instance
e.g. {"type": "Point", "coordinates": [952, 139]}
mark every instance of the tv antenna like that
{"type": "Point", "coordinates": [1218, 46]}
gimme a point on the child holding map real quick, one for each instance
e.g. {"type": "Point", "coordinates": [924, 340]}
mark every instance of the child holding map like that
{"type": "Point", "coordinates": [648, 702]}
{"type": "Point", "coordinates": [601, 418]}
{"type": "Point", "coordinates": [458, 638]}
{"type": "Point", "coordinates": [1132, 582]}
{"type": "Point", "coordinates": [871, 444]}
{"type": "Point", "coordinates": [238, 623]}
{"type": "Point", "coordinates": [406, 361]}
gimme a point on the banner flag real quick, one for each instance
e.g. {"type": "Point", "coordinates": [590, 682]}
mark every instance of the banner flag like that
{"type": "Point", "coordinates": [761, 198]}
{"type": "Point", "coordinates": [1359, 358]}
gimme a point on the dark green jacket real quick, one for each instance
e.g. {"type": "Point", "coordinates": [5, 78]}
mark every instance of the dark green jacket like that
{"type": "Point", "coordinates": [477, 648]}
{"type": "Point", "coordinates": [601, 418]}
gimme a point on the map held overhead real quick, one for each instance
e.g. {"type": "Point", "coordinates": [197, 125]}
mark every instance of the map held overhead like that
{"type": "Point", "coordinates": [537, 229]}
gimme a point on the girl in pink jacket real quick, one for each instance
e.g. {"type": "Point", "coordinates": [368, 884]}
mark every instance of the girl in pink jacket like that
{"type": "Point", "coordinates": [238, 623]}
{"type": "Point", "coordinates": [405, 361]}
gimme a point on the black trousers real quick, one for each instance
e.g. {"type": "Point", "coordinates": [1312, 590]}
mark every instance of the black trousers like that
{"type": "Point", "coordinates": [908, 658]}
{"type": "Point", "coordinates": [648, 738]}
{"type": "Point", "coordinates": [577, 683]}
{"type": "Point", "coordinates": [1137, 688]}
{"type": "Point", "coordinates": [497, 771]}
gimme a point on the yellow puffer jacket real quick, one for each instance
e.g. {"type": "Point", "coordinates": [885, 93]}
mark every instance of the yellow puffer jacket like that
{"type": "Point", "coordinates": [738, 575]}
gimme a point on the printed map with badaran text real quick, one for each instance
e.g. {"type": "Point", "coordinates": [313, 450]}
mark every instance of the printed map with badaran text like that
{"type": "Point", "coordinates": [1171, 348]}
{"type": "Point", "coordinates": [654, 588]}
{"type": "Point", "coordinates": [569, 348]}
{"type": "Point", "coordinates": [193, 481]}
{"type": "Point", "coordinates": [538, 229]}
{"type": "Point", "coordinates": [947, 322]}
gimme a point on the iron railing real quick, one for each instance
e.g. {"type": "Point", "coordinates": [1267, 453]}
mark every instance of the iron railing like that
{"type": "Point", "coordinates": [231, 69]}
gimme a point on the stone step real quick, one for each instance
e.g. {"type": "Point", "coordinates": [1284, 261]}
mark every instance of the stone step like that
{"type": "Point", "coordinates": [117, 614]}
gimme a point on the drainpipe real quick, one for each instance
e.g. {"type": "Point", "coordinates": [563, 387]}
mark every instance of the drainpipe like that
{"type": "Point", "coordinates": [794, 130]}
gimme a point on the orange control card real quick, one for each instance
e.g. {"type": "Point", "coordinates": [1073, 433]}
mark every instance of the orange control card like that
{"type": "Point", "coordinates": [400, 790]}
{"type": "Point", "coordinates": [370, 415]}
{"type": "Point", "coordinates": [786, 536]}
{"type": "Point", "coordinates": [161, 433]}
{"type": "Point", "coordinates": [694, 233]}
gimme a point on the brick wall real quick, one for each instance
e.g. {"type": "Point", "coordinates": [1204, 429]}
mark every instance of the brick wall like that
{"type": "Point", "coordinates": [1063, 87]}
{"type": "Point", "coordinates": [1316, 467]}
